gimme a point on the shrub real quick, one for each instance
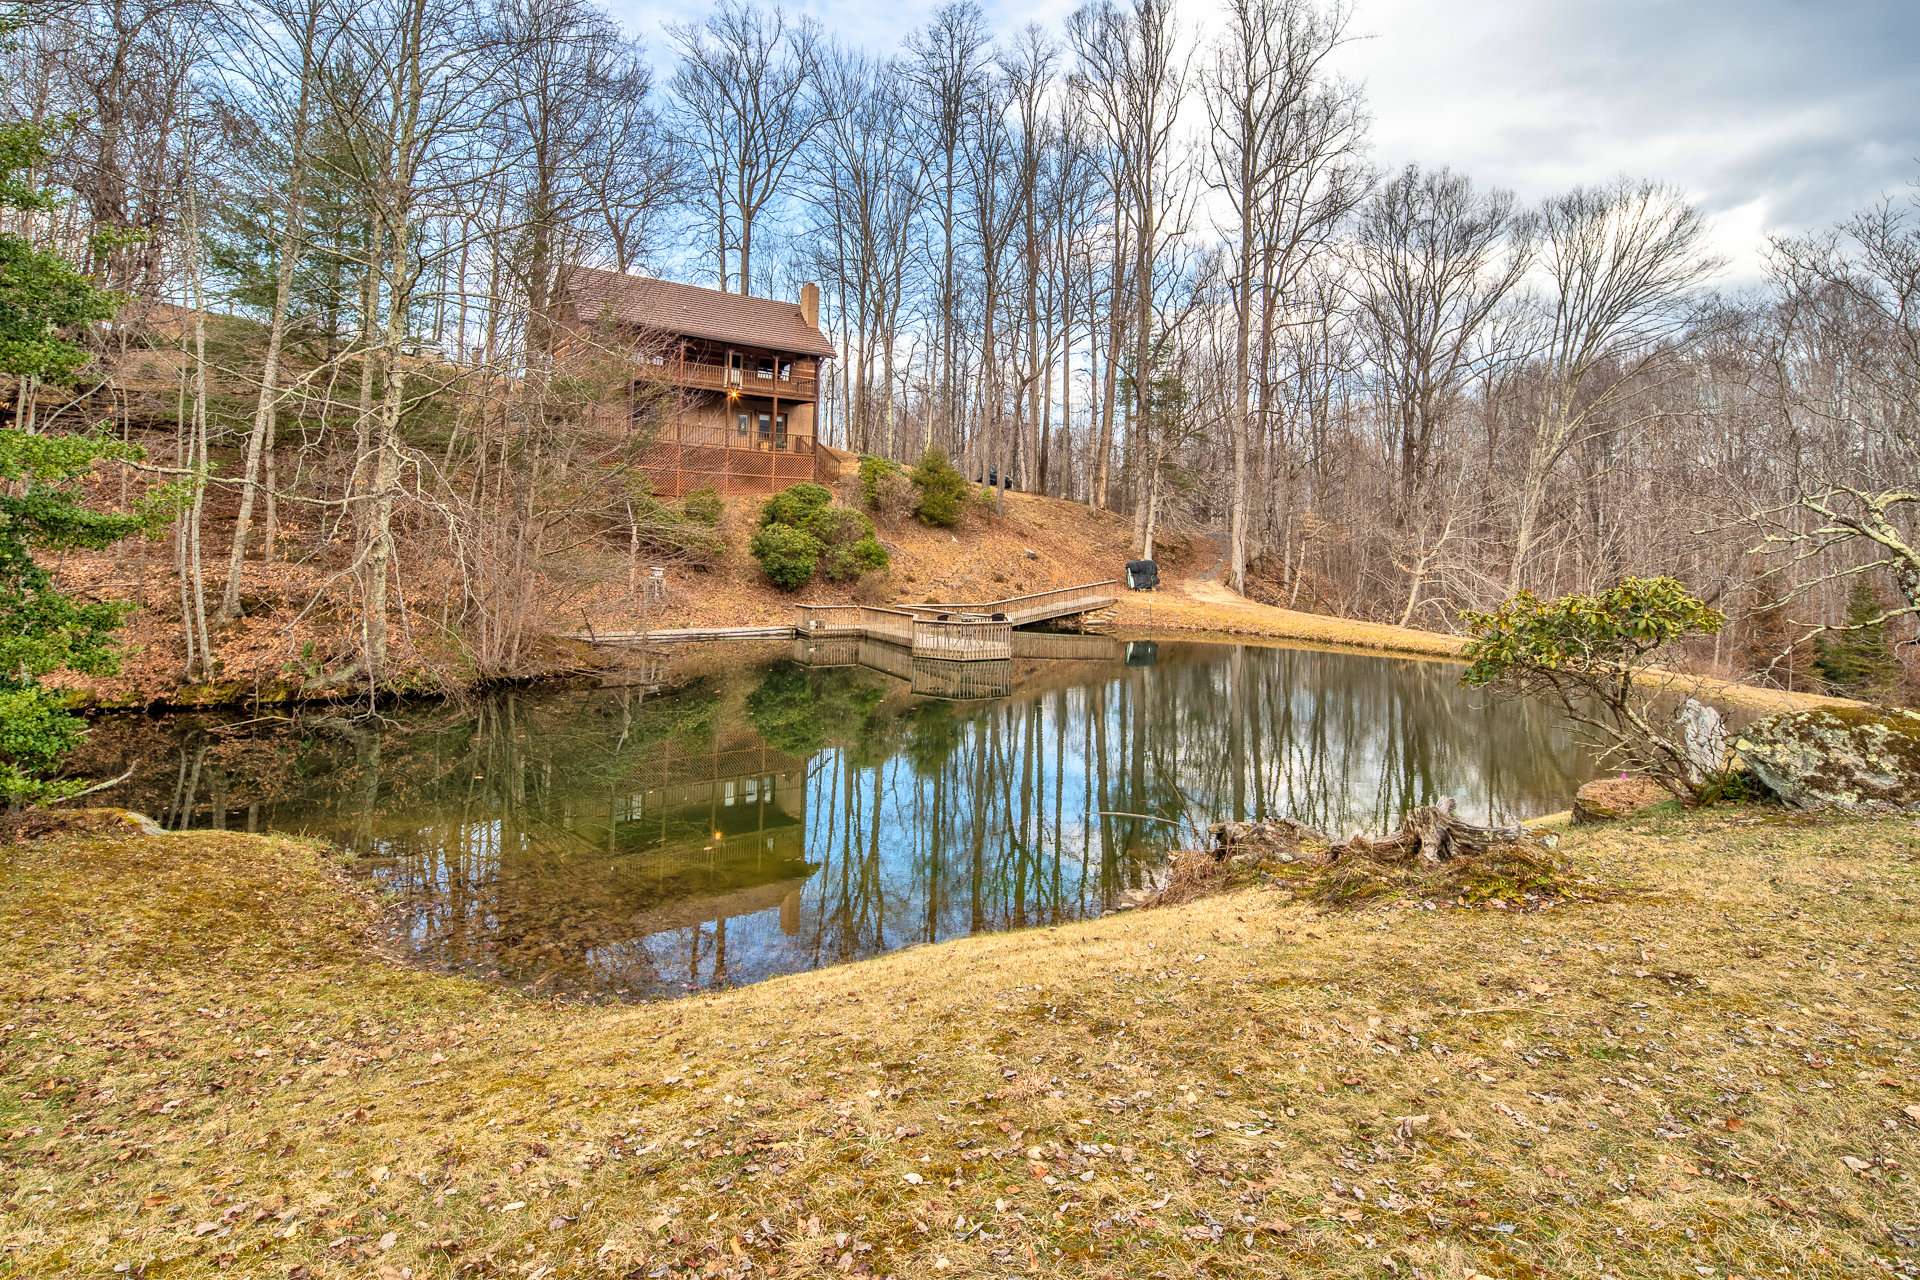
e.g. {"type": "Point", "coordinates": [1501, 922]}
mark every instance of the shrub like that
{"type": "Point", "coordinates": [1598, 655]}
{"type": "Point", "coordinates": [801, 530]}
{"type": "Point", "coordinates": [943, 491]}
{"type": "Point", "coordinates": [699, 546]}
{"type": "Point", "coordinates": [885, 488]}
{"type": "Point", "coordinates": [670, 534]}
{"type": "Point", "coordinates": [703, 506]}
{"type": "Point", "coordinates": [793, 505]}
{"type": "Point", "coordinates": [838, 526]}
{"type": "Point", "coordinates": [849, 560]}
{"type": "Point", "coordinates": [787, 555]}
{"type": "Point", "coordinates": [873, 471]}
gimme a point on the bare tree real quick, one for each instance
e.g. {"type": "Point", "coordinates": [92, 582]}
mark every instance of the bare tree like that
{"type": "Point", "coordinates": [745, 107]}
{"type": "Point", "coordinates": [1283, 146]}
{"type": "Point", "coordinates": [1134, 71]}
{"type": "Point", "coordinates": [1433, 261]}
{"type": "Point", "coordinates": [948, 64]}
{"type": "Point", "coordinates": [1624, 262]}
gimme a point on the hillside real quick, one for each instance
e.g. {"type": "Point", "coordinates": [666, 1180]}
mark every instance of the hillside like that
{"type": "Point", "coordinates": [1038, 543]}
{"type": "Point", "coordinates": [299, 607]}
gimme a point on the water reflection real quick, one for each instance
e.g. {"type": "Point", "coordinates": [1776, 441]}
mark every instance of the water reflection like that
{"type": "Point", "coordinates": [626, 844]}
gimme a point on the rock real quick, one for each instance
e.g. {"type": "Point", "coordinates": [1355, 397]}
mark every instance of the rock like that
{"type": "Point", "coordinates": [1843, 759]}
{"type": "Point", "coordinates": [141, 823]}
{"type": "Point", "coordinates": [1703, 733]}
{"type": "Point", "coordinates": [1608, 799]}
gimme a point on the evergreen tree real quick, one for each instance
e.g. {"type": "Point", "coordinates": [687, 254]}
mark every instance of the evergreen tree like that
{"type": "Point", "coordinates": [42, 505]}
{"type": "Point", "coordinates": [1858, 660]}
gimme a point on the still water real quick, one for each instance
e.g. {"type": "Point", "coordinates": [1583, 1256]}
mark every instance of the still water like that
{"type": "Point", "coordinates": [633, 842]}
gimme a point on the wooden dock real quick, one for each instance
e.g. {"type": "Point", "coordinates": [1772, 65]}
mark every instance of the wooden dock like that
{"type": "Point", "coordinates": [981, 631]}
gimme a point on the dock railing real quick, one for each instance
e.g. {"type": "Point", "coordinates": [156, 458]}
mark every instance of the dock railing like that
{"type": "Point", "coordinates": [962, 640]}
{"type": "Point", "coordinates": [961, 632]}
{"type": "Point", "coordinates": [1035, 605]}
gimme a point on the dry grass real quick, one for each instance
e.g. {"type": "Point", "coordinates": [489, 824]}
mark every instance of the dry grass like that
{"type": "Point", "coordinates": [1205, 606]}
{"type": "Point", "coordinates": [203, 1065]}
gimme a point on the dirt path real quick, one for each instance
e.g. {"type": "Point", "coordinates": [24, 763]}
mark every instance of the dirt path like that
{"type": "Point", "coordinates": [1199, 601]}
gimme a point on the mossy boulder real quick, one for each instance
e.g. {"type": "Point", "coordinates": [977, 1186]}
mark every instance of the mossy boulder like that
{"type": "Point", "coordinates": [1845, 759]}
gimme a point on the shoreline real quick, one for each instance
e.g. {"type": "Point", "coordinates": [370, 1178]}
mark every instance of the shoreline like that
{"type": "Point", "coordinates": [1139, 620]}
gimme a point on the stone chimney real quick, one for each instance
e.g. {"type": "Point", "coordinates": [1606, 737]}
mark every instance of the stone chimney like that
{"type": "Point", "coordinates": [810, 304]}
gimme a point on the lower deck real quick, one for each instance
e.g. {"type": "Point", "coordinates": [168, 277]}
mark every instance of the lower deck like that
{"type": "Point", "coordinates": [734, 444]}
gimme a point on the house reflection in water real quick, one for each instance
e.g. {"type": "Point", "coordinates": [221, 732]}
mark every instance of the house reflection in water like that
{"type": "Point", "coordinates": [717, 835]}
{"type": "Point", "coordinates": [623, 885]}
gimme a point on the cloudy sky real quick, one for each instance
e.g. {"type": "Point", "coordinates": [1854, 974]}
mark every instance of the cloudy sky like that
{"type": "Point", "coordinates": [1776, 115]}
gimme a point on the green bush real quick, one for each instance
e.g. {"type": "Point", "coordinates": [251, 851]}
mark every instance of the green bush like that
{"type": "Point", "coordinates": [886, 489]}
{"type": "Point", "coordinates": [787, 555]}
{"type": "Point", "coordinates": [703, 506]}
{"type": "Point", "coordinates": [943, 491]}
{"type": "Point", "coordinates": [698, 545]}
{"type": "Point", "coordinates": [801, 530]}
{"type": "Point", "coordinates": [838, 526]}
{"type": "Point", "coordinates": [849, 560]}
{"type": "Point", "coordinates": [794, 505]}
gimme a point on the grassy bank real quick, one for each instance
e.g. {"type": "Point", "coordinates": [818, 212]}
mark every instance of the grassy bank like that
{"type": "Point", "coordinates": [1711, 1069]}
{"type": "Point", "coordinates": [1207, 608]}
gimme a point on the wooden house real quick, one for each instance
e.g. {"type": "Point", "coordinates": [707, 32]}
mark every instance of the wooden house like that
{"type": "Point", "coordinates": [745, 374]}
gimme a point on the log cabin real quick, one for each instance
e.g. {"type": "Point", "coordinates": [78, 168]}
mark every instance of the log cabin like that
{"type": "Point", "coordinates": [746, 375]}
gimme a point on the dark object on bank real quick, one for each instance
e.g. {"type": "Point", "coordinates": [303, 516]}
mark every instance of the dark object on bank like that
{"type": "Point", "coordinates": [1142, 575]}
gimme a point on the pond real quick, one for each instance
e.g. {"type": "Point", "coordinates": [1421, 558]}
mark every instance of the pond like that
{"type": "Point", "coordinates": [773, 816]}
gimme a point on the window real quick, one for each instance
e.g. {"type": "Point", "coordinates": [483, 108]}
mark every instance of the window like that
{"type": "Point", "coordinates": [735, 363]}
{"type": "Point", "coordinates": [745, 423]}
{"type": "Point", "coordinates": [765, 369]}
{"type": "Point", "coordinates": [780, 432]}
{"type": "Point", "coordinates": [766, 428]}
{"type": "Point", "coordinates": [786, 371]}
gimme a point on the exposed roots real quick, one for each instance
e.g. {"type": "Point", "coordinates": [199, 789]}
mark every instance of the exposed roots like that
{"type": "Point", "coordinates": [1434, 857]}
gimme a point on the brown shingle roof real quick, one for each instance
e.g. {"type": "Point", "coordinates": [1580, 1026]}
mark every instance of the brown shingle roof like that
{"type": "Point", "coordinates": [666, 306]}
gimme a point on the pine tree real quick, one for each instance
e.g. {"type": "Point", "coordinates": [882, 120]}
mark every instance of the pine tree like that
{"type": "Point", "coordinates": [42, 505]}
{"type": "Point", "coordinates": [1858, 660]}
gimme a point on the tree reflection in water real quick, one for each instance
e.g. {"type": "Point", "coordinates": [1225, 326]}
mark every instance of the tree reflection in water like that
{"type": "Point", "coordinates": [610, 843]}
